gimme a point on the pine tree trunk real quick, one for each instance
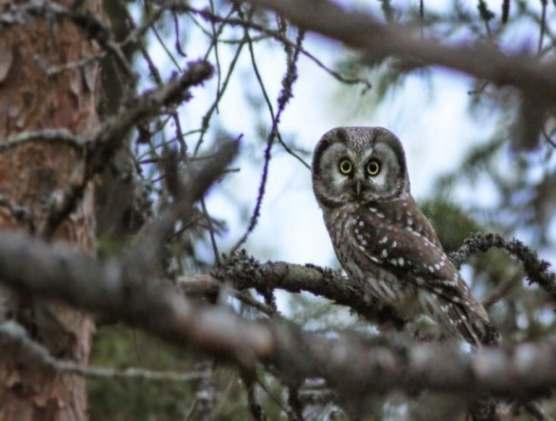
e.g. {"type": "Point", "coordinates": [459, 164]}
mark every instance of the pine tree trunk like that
{"type": "Point", "coordinates": [32, 175]}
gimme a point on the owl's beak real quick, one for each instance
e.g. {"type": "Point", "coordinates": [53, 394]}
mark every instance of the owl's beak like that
{"type": "Point", "coordinates": [357, 188]}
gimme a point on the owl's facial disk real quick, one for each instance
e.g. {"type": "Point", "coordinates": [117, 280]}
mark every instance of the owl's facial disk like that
{"type": "Point", "coordinates": [351, 173]}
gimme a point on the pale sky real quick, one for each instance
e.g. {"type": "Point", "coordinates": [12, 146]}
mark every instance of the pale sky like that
{"type": "Point", "coordinates": [435, 131]}
{"type": "Point", "coordinates": [428, 114]}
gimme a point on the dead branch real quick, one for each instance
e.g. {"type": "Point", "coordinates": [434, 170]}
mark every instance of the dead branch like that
{"type": "Point", "coordinates": [16, 341]}
{"type": "Point", "coordinates": [363, 31]}
{"type": "Point", "coordinates": [243, 272]}
{"type": "Point", "coordinates": [349, 364]}
{"type": "Point", "coordinates": [110, 135]}
{"type": "Point", "coordinates": [46, 135]}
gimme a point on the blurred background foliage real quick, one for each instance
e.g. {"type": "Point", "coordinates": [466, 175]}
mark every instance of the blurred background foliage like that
{"type": "Point", "coordinates": [514, 164]}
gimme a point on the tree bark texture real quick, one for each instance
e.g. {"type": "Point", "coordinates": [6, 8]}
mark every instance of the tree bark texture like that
{"type": "Point", "coordinates": [33, 176]}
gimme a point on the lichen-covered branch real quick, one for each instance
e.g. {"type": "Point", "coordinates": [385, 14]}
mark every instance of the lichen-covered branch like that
{"type": "Point", "coordinates": [243, 271]}
{"type": "Point", "coordinates": [535, 267]}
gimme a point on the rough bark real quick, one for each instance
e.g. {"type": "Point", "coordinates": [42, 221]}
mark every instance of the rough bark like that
{"type": "Point", "coordinates": [32, 177]}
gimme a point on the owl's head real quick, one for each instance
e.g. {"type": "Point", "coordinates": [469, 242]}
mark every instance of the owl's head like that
{"type": "Point", "coordinates": [359, 165]}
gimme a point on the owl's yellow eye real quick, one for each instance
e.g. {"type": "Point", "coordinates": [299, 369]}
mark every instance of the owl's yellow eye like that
{"type": "Point", "coordinates": [373, 167]}
{"type": "Point", "coordinates": [345, 166]}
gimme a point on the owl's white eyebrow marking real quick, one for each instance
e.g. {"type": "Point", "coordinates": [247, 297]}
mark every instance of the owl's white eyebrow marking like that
{"type": "Point", "coordinates": [380, 179]}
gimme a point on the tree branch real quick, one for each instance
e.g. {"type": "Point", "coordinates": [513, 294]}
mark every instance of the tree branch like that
{"type": "Point", "coordinates": [243, 271]}
{"type": "Point", "coordinates": [109, 137]}
{"type": "Point", "coordinates": [349, 363]}
{"type": "Point", "coordinates": [535, 268]}
{"type": "Point", "coordinates": [15, 341]}
{"type": "Point", "coordinates": [46, 135]}
{"type": "Point", "coordinates": [363, 31]}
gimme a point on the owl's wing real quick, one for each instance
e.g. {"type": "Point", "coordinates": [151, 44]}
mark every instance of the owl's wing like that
{"type": "Point", "coordinates": [417, 256]}
{"type": "Point", "coordinates": [406, 246]}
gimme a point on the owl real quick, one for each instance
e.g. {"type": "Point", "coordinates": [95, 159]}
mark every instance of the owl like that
{"type": "Point", "coordinates": [382, 239]}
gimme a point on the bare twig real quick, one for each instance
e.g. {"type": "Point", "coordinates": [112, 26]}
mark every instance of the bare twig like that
{"type": "Point", "coordinates": [158, 79]}
{"type": "Point", "coordinates": [266, 96]}
{"type": "Point", "coordinates": [285, 94]}
{"type": "Point", "coordinates": [361, 30]}
{"type": "Point", "coordinates": [505, 10]}
{"type": "Point", "coordinates": [14, 338]}
{"type": "Point", "coordinates": [243, 271]}
{"type": "Point", "coordinates": [176, 5]}
{"type": "Point", "coordinates": [542, 25]}
{"type": "Point", "coordinates": [214, 106]}
{"type": "Point", "coordinates": [110, 135]}
{"type": "Point", "coordinates": [46, 135]}
{"type": "Point", "coordinates": [499, 292]}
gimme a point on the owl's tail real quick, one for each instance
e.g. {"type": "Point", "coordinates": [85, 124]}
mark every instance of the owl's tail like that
{"type": "Point", "coordinates": [473, 324]}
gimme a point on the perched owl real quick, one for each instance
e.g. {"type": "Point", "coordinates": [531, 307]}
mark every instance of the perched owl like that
{"type": "Point", "coordinates": [381, 238]}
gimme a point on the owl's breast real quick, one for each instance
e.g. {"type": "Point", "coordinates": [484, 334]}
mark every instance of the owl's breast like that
{"type": "Point", "coordinates": [337, 223]}
{"type": "Point", "coordinates": [384, 285]}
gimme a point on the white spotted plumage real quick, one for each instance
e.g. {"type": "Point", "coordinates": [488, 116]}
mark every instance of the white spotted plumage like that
{"type": "Point", "coordinates": [382, 238]}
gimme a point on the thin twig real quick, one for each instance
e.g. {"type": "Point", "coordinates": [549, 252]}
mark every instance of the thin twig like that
{"type": "Point", "coordinates": [542, 25]}
{"type": "Point", "coordinates": [110, 135]}
{"type": "Point", "coordinates": [14, 337]}
{"type": "Point", "coordinates": [46, 135]}
{"type": "Point", "coordinates": [219, 95]}
{"type": "Point", "coordinates": [364, 32]}
{"type": "Point", "coordinates": [278, 37]}
{"type": "Point", "coordinates": [283, 98]}
{"type": "Point", "coordinates": [212, 236]}
{"type": "Point", "coordinates": [505, 11]}
{"type": "Point", "coordinates": [266, 96]}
